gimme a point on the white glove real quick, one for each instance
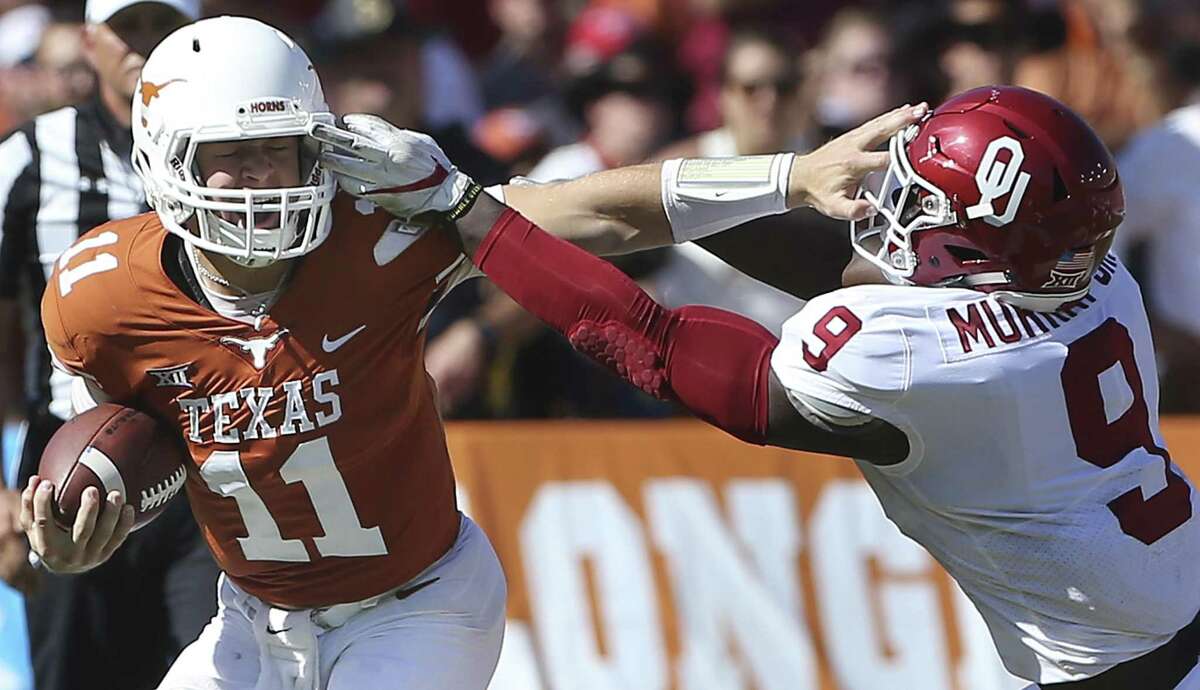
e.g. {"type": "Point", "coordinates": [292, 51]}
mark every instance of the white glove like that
{"type": "Point", "coordinates": [403, 171]}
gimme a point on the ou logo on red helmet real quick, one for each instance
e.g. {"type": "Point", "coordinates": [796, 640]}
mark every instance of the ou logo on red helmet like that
{"type": "Point", "coordinates": [997, 178]}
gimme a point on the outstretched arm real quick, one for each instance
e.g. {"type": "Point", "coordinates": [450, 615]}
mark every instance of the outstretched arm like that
{"type": "Point", "coordinates": [653, 205]}
{"type": "Point", "coordinates": [716, 363]}
{"type": "Point", "coordinates": [626, 209]}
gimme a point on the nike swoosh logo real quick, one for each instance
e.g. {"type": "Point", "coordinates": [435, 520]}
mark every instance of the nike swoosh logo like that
{"type": "Point", "coordinates": [434, 179]}
{"type": "Point", "coordinates": [331, 345]}
{"type": "Point", "coordinates": [276, 632]}
{"type": "Point", "coordinates": [406, 593]}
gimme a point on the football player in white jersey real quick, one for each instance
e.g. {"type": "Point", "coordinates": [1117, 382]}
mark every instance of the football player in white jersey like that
{"type": "Point", "coordinates": [988, 366]}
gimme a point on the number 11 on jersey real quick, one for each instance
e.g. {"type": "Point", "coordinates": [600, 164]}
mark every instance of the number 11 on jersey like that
{"type": "Point", "coordinates": [312, 465]}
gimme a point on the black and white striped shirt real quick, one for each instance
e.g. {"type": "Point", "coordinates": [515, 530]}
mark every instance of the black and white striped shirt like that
{"type": "Point", "coordinates": [61, 174]}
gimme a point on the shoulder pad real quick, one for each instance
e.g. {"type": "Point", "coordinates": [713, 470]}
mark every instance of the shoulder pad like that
{"type": "Point", "coordinates": [90, 295]}
{"type": "Point", "coordinates": [851, 339]}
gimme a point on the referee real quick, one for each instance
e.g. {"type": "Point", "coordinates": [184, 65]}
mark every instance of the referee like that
{"type": "Point", "coordinates": [121, 624]}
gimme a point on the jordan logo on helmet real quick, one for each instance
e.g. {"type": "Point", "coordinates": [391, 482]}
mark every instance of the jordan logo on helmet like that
{"type": "Point", "coordinates": [257, 348]}
{"type": "Point", "coordinates": [997, 178]}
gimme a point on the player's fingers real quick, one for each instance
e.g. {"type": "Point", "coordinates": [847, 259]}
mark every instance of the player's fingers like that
{"type": "Point", "coordinates": [349, 165]}
{"type": "Point", "coordinates": [373, 129]}
{"type": "Point", "coordinates": [870, 161]}
{"type": "Point", "coordinates": [42, 516]}
{"type": "Point", "coordinates": [26, 517]}
{"type": "Point", "coordinates": [329, 135]}
{"type": "Point", "coordinates": [351, 142]}
{"type": "Point", "coordinates": [848, 209]}
{"type": "Point", "coordinates": [122, 529]}
{"type": "Point", "coordinates": [879, 130]}
{"type": "Point", "coordinates": [105, 526]}
{"type": "Point", "coordinates": [85, 519]}
{"type": "Point", "coordinates": [43, 512]}
{"type": "Point", "coordinates": [361, 123]}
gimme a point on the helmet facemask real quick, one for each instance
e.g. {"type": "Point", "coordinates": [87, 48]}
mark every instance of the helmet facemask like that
{"type": "Point", "coordinates": [195, 209]}
{"type": "Point", "coordinates": [904, 203]}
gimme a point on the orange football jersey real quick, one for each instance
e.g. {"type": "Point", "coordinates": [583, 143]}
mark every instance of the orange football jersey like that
{"type": "Point", "coordinates": [320, 469]}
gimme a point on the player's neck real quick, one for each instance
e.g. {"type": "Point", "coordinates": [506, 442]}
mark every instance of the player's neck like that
{"type": "Point", "coordinates": [226, 277]}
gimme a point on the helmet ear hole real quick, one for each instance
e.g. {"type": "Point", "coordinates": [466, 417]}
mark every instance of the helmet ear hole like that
{"type": "Point", "coordinates": [1060, 188]}
{"type": "Point", "coordinates": [965, 255]}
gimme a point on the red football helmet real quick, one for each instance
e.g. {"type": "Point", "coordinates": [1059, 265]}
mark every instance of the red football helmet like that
{"type": "Point", "coordinates": [1001, 189]}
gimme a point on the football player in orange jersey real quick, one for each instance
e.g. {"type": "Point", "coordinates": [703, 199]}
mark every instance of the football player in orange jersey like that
{"type": "Point", "coordinates": [290, 358]}
{"type": "Point", "coordinates": [321, 478]}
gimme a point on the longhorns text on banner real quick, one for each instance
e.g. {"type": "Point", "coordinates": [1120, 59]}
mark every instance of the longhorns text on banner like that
{"type": "Point", "coordinates": [671, 557]}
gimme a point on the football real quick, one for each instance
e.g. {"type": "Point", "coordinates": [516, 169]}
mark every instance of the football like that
{"type": "Point", "coordinates": [112, 447]}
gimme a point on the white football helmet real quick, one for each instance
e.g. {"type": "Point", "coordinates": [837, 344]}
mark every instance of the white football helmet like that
{"type": "Point", "coordinates": [231, 79]}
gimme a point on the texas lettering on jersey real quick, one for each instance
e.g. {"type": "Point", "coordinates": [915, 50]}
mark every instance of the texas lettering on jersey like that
{"type": "Point", "coordinates": [320, 473]}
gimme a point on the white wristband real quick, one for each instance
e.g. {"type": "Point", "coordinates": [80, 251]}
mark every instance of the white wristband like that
{"type": "Point", "coordinates": [704, 196]}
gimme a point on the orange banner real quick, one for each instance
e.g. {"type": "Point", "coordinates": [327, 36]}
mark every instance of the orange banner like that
{"type": "Point", "coordinates": [670, 556]}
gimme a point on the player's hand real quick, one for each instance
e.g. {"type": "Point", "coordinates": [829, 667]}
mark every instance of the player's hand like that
{"type": "Point", "coordinates": [92, 539]}
{"type": "Point", "coordinates": [15, 568]}
{"type": "Point", "coordinates": [828, 178]}
{"type": "Point", "coordinates": [403, 171]}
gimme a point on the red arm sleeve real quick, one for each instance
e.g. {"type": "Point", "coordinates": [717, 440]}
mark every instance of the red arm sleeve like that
{"type": "Point", "coordinates": [714, 362]}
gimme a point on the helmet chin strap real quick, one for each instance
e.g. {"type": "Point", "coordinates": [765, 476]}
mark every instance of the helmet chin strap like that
{"type": "Point", "coordinates": [251, 262]}
{"type": "Point", "coordinates": [287, 236]}
{"type": "Point", "coordinates": [986, 278]}
{"type": "Point", "coordinates": [1036, 302]}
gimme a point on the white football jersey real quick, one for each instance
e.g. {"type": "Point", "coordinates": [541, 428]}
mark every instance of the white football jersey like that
{"type": "Point", "coordinates": [1037, 475]}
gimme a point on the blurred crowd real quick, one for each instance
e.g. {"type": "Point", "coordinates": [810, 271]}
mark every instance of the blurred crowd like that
{"type": "Point", "coordinates": [554, 89]}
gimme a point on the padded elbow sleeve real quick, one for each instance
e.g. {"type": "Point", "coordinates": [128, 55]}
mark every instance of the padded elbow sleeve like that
{"type": "Point", "coordinates": [714, 362]}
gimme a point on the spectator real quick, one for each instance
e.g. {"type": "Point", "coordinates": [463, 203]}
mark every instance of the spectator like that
{"type": "Point", "coordinates": [1162, 209]}
{"type": "Point", "coordinates": [759, 97]}
{"type": "Point", "coordinates": [523, 67]}
{"type": "Point", "coordinates": [704, 28]}
{"type": "Point", "coordinates": [21, 27]}
{"type": "Point", "coordinates": [391, 68]}
{"type": "Point", "coordinates": [762, 112]}
{"type": "Point", "coordinates": [1079, 52]}
{"type": "Point", "coordinates": [62, 66]}
{"type": "Point", "coordinates": [851, 74]}
{"type": "Point", "coordinates": [623, 98]}
{"type": "Point", "coordinates": [515, 137]}
{"type": "Point", "coordinates": [621, 91]}
{"type": "Point", "coordinates": [981, 45]}
{"type": "Point", "coordinates": [522, 76]}
{"type": "Point", "coordinates": [62, 174]}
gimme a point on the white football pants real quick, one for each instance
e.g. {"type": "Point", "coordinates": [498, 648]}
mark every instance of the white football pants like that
{"type": "Point", "coordinates": [446, 635]}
